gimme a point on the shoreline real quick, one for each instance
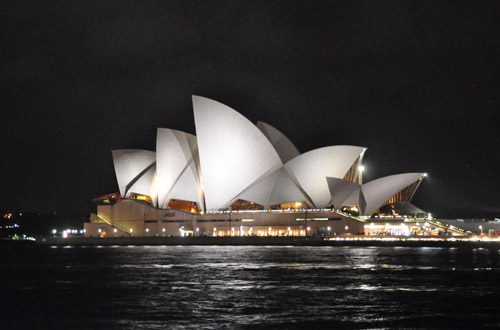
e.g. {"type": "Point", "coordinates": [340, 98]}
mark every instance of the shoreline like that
{"type": "Point", "coordinates": [256, 241]}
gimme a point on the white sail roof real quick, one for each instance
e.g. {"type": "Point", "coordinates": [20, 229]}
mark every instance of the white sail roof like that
{"type": "Point", "coordinates": [231, 158]}
{"type": "Point", "coordinates": [233, 152]}
{"type": "Point", "coordinates": [286, 190]}
{"type": "Point", "coordinates": [343, 192]}
{"type": "Point", "coordinates": [260, 191]}
{"type": "Point", "coordinates": [285, 148]}
{"type": "Point", "coordinates": [372, 195]}
{"type": "Point", "coordinates": [311, 169]}
{"type": "Point", "coordinates": [130, 165]}
{"type": "Point", "coordinates": [275, 188]}
{"type": "Point", "coordinates": [144, 184]}
{"type": "Point", "coordinates": [186, 188]}
{"type": "Point", "coordinates": [377, 192]}
{"type": "Point", "coordinates": [177, 173]}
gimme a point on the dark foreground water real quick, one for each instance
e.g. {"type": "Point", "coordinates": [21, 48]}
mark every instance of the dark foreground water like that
{"type": "Point", "coordinates": [249, 287]}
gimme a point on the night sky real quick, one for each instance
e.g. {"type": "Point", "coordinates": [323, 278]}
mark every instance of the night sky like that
{"type": "Point", "coordinates": [414, 82]}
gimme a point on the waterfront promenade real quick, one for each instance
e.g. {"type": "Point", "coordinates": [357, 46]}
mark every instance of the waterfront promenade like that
{"type": "Point", "coordinates": [274, 241]}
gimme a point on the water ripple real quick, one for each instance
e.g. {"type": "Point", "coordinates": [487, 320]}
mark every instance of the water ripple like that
{"type": "Point", "coordinates": [250, 287]}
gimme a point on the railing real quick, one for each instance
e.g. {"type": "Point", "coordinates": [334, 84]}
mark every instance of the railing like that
{"type": "Point", "coordinates": [113, 225]}
{"type": "Point", "coordinates": [447, 227]}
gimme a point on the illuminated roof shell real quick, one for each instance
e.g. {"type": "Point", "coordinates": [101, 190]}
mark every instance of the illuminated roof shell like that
{"type": "Point", "coordinates": [176, 163]}
{"type": "Point", "coordinates": [285, 148]}
{"type": "Point", "coordinates": [145, 184]}
{"type": "Point", "coordinates": [230, 158]}
{"type": "Point", "coordinates": [310, 169]}
{"type": "Point", "coordinates": [132, 167]}
{"type": "Point", "coordinates": [233, 152]}
{"type": "Point", "coordinates": [377, 192]}
{"type": "Point", "coordinates": [273, 189]}
{"type": "Point", "coordinates": [343, 192]}
{"type": "Point", "coordinates": [372, 195]}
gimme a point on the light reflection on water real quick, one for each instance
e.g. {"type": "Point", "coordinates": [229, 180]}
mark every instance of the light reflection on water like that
{"type": "Point", "coordinates": [250, 287]}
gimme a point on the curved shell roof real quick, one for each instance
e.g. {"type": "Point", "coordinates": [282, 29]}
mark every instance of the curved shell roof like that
{"type": "Point", "coordinates": [177, 173]}
{"type": "Point", "coordinates": [310, 169]}
{"type": "Point", "coordinates": [231, 158]}
{"type": "Point", "coordinates": [285, 148]}
{"type": "Point", "coordinates": [145, 184]}
{"type": "Point", "coordinates": [378, 191]}
{"type": "Point", "coordinates": [372, 195]}
{"type": "Point", "coordinates": [130, 165]}
{"type": "Point", "coordinates": [275, 188]}
{"type": "Point", "coordinates": [233, 152]}
{"type": "Point", "coordinates": [343, 192]}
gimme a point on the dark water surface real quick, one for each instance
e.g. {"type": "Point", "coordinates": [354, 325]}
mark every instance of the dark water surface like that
{"type": "Point", "coordinates": [200, 287]}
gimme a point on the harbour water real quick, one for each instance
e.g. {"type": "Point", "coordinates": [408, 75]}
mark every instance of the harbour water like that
{"type": "Point", "coordinates": [243, 287]}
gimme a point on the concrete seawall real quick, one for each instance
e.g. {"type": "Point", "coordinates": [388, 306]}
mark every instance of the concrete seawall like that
{"type": "Point", "coordinates": [256, 241]}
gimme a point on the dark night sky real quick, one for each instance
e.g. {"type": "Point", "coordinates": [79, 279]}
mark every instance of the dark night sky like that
{"type": "Point", "coordinates": [414, 82]}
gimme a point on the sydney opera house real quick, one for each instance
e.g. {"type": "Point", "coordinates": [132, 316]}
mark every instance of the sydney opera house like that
{"type": "Point", "coordinates": [235, 178]}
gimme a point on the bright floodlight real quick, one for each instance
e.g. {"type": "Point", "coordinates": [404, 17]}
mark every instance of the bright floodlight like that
{"type": "Point", "coordinates": [361, 168]}
{"type": "Point", "coordinates": [425, 174]}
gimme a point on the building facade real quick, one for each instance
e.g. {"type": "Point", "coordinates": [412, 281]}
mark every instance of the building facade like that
{"type": "Point", "coordinates": [239, 179]}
